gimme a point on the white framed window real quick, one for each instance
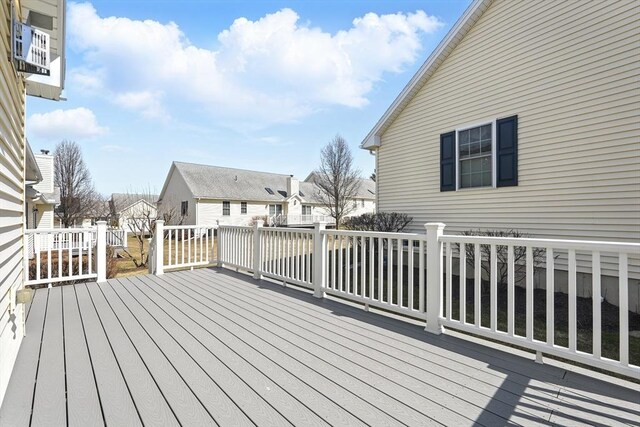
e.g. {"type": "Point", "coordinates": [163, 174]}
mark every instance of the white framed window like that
{"type": "Point", "coordinates": [184, 208]}
{"type": "Point", "coordinates": [475, 156]}
{"type": "Point", "coordinates": [243, 208]}
{"type": "Point", "coordinates": [306, 209]}
{"type": "Point", "coordinates": [226, 208]}
{"type": "Point", "coordinates": [275, 210]}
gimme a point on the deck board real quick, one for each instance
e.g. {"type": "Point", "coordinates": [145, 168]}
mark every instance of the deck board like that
{"type": "Point", "coordinates": [150, 402]}
{"type": "Point", "coordinates": [379, 389]}
{"type": "Point", "coordinates": [428, 381]}
{"type": "Point", "coordinates": [82, 394]}
{"type": "Point", "coordinates": [49, 405]}
{"type": "Point", "coordinates": [117, 404]}
{"type": "Point", "coordinates": [228, 369]}
{"type": "Point", "coordinates": [211, 346]}
{"type": "Point", "coordinates": [219, 406]}
{"type": "Point", "coordinates": [183, 403]}
{"type": "Point", "coordinates": [254, 370]}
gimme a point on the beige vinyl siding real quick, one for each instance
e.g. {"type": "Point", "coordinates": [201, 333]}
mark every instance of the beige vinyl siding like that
{"type": "Point", "coordinates": [175, 193]}
{"type": "Point", "coordinates": [12, 158]}
{"type": "Point", "coordinates": [570, 71]}
{"type": "Point", "coordinates": [45, 164]}
{"type": "Point", "coordinates": [210, 212]}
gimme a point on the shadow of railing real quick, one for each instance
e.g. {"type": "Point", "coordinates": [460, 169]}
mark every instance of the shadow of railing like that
{"type": "Point", "coordinates": [566, 395]}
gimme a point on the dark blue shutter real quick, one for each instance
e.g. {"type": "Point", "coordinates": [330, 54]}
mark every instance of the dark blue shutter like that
{"type": "Point", "coordinates": [448, 161]}
{"type": "Point", "coordinates": [507, 151]}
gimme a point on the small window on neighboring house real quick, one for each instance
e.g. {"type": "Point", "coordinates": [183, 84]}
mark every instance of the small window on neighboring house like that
{"type": "Point", "coordinates": [484, 155]}
{"type": "Point", "coordinates": [243, 208]}
{"type": "Point", "coordinates": [268, 190]}
{"type": "Point", "coordinates": [184, 208]}
{"type": "Point", "coordinates": [306, 210]}
{"type": "Point", "coordinates": [226, 208]}
{"type": "Point", "coordinates": [363, 203]}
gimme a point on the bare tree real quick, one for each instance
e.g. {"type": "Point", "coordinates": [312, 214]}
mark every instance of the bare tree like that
{"type": "Point", "coordinates": [337, 179]}
{"type": "Point", "coordinates": [137, 212]}
{"type": "Point", "coordinates": [78, 197]}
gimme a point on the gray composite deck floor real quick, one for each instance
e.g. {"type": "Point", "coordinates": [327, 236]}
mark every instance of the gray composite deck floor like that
{"type": "Point", "coordinates": [211, 346]}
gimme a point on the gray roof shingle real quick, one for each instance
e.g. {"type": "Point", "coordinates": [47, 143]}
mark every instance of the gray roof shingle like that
{"type": "Point", "coordinates": [216, 182]}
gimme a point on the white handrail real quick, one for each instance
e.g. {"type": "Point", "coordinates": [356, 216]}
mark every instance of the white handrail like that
{"type": "Point", "coordinates": [63, 254]}
{"type": "Point", "coordinates": [543, 243]}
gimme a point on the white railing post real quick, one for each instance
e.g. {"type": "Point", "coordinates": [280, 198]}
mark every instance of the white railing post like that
{"type": "Point", "coordinates": [125, 243]}
{"type": "Point", "coordinates": [257, 249]}
{"type": "Point", "coordinates": [158, 248]}
{"type": "Point", "coordinates": [319, 259]}
{"type": "Point", "coordinates": [101, 251]}
{"type": "Point", "coordinates": [434, 277]}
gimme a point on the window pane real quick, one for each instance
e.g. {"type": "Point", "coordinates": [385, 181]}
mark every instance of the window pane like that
{"type": "Point", "coordinates": [464, 167]}
{"type": "Point", "coordinates": [485, 132]}
{"type": "Point", "coordinates": [463, 137]}
{"type": "Point", "coordinates": [474, 148]}
{"type": "Point", "coordinates": [464, 150]}
{"type": "Point", "coordinates": [486, 179]}
{"type": "Point", "coordinates": [474, 134]}
{"type": "Point", "coordinates": [485, 164]}
{"type": "Point", "coordinates": [465, 181]}
{"type": "Point", "coordinates": [485, 147]}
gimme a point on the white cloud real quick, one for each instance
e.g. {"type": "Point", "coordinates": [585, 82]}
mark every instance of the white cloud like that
{"type": "Point", "coordinates": [269, 70]}
{"type": "Point", "coordinates": [75, 124]}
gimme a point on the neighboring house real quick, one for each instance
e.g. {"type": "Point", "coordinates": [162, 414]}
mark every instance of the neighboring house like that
{"type": "Point", "coordinates": [526, 117]}
{"type": "Point", "coordinates": [212, 195]}
{"type": "Point", "coordinates": [127, 211]}
{"type": "Point", "coordinates": [42, 195]}
{"type": "Point", "coordinates": [18, 80]}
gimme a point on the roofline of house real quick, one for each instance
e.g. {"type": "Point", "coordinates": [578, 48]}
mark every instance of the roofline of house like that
{"type": "Point", "coordinates": [450, 41]}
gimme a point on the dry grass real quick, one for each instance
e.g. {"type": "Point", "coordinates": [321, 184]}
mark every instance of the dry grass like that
{"type": "Point", "coordinates": [126, 266]}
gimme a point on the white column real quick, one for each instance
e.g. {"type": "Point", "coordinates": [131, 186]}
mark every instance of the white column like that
{"type": "Point", "coordinates": [319, 259]}
{"type": "Point", "coordinates": [158, 250]}
{"type": "Point", "coordinates": [257, 249]}
{"type": "Point", "coordinates": [434, 277]}
{"type": "Point", "coordinates": [101, 251]}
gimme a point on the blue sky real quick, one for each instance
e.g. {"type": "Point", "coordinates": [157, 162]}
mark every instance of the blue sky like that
{"type": "Point", "coordinates": [258, 85]}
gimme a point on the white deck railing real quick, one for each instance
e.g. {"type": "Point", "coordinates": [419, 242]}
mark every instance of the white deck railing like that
{"type": "Point", "coordinates": [117, 237]}
{"type": "Point", "coordinates": [67, 254]}
{"type": "Point", "coordinates": [183, 246]}
{"type": "Point", "coordinates": [420, 275]}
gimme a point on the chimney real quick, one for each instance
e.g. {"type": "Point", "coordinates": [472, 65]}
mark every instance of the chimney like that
{"type": "Point", "coordinates": [293, 186]}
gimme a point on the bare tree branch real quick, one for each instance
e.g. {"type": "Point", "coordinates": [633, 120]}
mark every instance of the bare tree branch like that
{"type": "Point", "coordinates": [337, 179]}
{"type": "Point", "coordinates": [78, 198]}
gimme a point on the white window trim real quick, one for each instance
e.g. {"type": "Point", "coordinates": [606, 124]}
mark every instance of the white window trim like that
{"type": "Point", "coordinates": [494, 175]}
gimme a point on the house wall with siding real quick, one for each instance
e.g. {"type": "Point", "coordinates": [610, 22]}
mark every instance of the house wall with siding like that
{"type": "Point", "coordinates": [12, 198]}
{"type": "Point", "coordinates": [140, 209]}
{"type": "Point", "coordinates": [570, 71]}
{"type": "Point", "coordinates": [45, 164]}
{"type": "Point", "coordinates": [176, 192]}
{"type": "Point", "coordinates": [210, 212]}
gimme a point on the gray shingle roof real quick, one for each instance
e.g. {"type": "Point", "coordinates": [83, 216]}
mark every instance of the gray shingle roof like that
{"type": "Point", "coordinates": [120, 201]}
{"type": "Point", "coordinates": [216, 182]}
